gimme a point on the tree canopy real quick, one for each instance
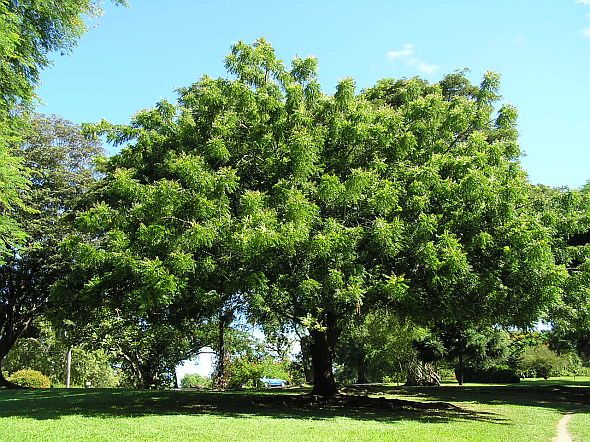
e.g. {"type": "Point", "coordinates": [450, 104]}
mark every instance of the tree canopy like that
{"type": "Point", "coordinates": [316, 207]}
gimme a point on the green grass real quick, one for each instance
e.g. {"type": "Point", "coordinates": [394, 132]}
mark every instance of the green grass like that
{"type": "Point", "coordinates": [526, 412]}
{"type": "Point", "coordinates": [579, 427]}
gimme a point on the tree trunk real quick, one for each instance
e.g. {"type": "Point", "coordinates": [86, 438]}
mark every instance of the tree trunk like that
{"type": "Point", "coordinates": [150, 379]}
{"type": "Point", "coordinates": [136, 367]}
{"type": "Point", "coordinates": [220, 375]}
{"type": "Point", "coordinates": [461, 369]}
{"type": "Point", "coordinates": [321, 359]}
{"type": "Point", "coordinates": [361, 372]}
{"type": "Point", "coordinates": [6, 343]}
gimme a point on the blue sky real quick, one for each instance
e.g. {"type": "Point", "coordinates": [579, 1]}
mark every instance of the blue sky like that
{"type": "Point", "coordinates": [133, 57]}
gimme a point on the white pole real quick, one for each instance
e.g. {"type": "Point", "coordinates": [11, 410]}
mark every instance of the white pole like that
{"type": "Point", "coordinates": [68, 367]}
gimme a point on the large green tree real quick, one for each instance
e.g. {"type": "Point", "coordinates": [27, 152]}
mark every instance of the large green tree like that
{"type": "Point", "coordinates": [60, 160]}
{"type": "Point", "coordinates": [318, 207]}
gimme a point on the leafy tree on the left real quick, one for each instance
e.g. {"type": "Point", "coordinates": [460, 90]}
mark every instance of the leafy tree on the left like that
{"type": "Point", "coordinates": [29, 31]}
{"type": "Point", "coordinates": [60, 160]}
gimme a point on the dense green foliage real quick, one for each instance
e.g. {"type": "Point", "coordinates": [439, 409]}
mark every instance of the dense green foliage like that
{"type": "Point", "coordinates": [13, 181]}
{"type": "Point", "coordinates": [29, 31]}
{"type": "Point", "coordinates": [260, 196]}
{"type": "Point", "coordinates": [375, 347]}
{"type": "Point", "coordinates": [61, 165]}
{"type": "Point", "coordinates": [195, 381]}
{"type": "Point", "coordinates": [31, 379]}
{"type": "Point", "coordinates": [315, 208]}
{"type": "Point", "coordinates": [540, 361]}
{"type": "Point", "coordinates": [43, 349]}
{"type": "Point", "coordinates": [567, 213]}
{"type": "Point", "coordinates": [146, 351]}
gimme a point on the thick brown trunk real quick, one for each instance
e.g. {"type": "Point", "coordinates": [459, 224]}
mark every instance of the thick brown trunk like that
{"type": "Point", "coordinates": [220, 375]}
{"type": "Point", "coordinates": [149, 378]}
{"type": "Point", "coordinates": [361, 374]}
{"type": "Point", "coordinates": [7, 341]}
{"type": "Point", "coordinates": [321, 359]}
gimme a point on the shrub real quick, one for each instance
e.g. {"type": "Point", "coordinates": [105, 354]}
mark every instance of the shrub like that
{"type": "Point", "coordinates": [195, 381]}
{"type": "Point", "coordinates": [246, 371]}
{"type": "Point", "coordinates": [30, 378]}
{"type": "Point", "coordinates": [541, 361]}
{"type": "Point", "coordinates": [493, 375]}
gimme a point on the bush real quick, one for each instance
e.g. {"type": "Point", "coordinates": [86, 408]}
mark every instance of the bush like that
{"type": "Point", "coordinates": [30, 378]}
{"type": "Point", "coordinates": [247, 371]}
{"type": "Point", "coordinates": [491, 375]}
{"type": "Point", "coordinates": [542, 362]}
{"type": "Point", "coordinates": [195, 381]}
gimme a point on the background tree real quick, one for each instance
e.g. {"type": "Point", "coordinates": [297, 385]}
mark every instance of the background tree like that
{"type": "Point", "coordinates": [474, 348]}
{"type": "Point", "coordinates": [43, 349]}
{"type": "Point", "coordinates": [567, 213]}
{"type": "Point", "coordinates": [30, 30]}
{"type": "Point", "coordinates": [375, 347]}
{"type": "Point", "coordinates": [60, 161]}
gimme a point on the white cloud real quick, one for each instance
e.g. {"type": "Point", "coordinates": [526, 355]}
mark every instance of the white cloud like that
{"type": "Point", "coordinates": [423, 67]}
{"type": "Point", "coordinates": [583, 2]}
{"type": "Point", "coordinates": [406, 51]}
{"type": "Point", "coordinates": [586, 32]}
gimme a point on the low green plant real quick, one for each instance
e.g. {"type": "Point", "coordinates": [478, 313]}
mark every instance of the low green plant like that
{"type": "Point", "coordinates": [247, 371]}
{"type": "Point", "coordinates": [31, 379]}
{"type": "Point", "coordinates": [195, 380]}
{"type": "Point", "coordinates": [541, 361]}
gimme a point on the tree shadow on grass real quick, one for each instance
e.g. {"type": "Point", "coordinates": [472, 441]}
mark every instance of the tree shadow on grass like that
{"type": "Point", "coordinates": [559, 396]}
{"type": "Point", "coordinates": [53, 404]}
{"type": "Point", "coordinates": [368, 402]}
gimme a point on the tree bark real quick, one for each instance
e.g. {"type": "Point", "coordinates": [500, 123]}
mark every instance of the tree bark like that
{"type": "Point", "coordinates": [361, 371]}
{"type": "Point", "coordinates": [7, 341]}
{"type": "Point", "coordinates": [220, 374]}
{"type": "Point", "coordinates": [137, 370]}
{"type": "Point", "coordinates": [461, 369]}
{"type": "Point", "coordinates": [150, 379]}
{"type": "Point", "coordinates": [321, 359]}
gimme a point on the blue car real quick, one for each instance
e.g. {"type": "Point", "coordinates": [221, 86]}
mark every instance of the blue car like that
{"type": "Point", "coordinates": [274, 383]}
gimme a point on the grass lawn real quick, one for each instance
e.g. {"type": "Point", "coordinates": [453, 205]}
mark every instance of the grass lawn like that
{"type": "Point", "coordinates": [579, 427]}
{"type": "Point", "coordinates": [526, 412]}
